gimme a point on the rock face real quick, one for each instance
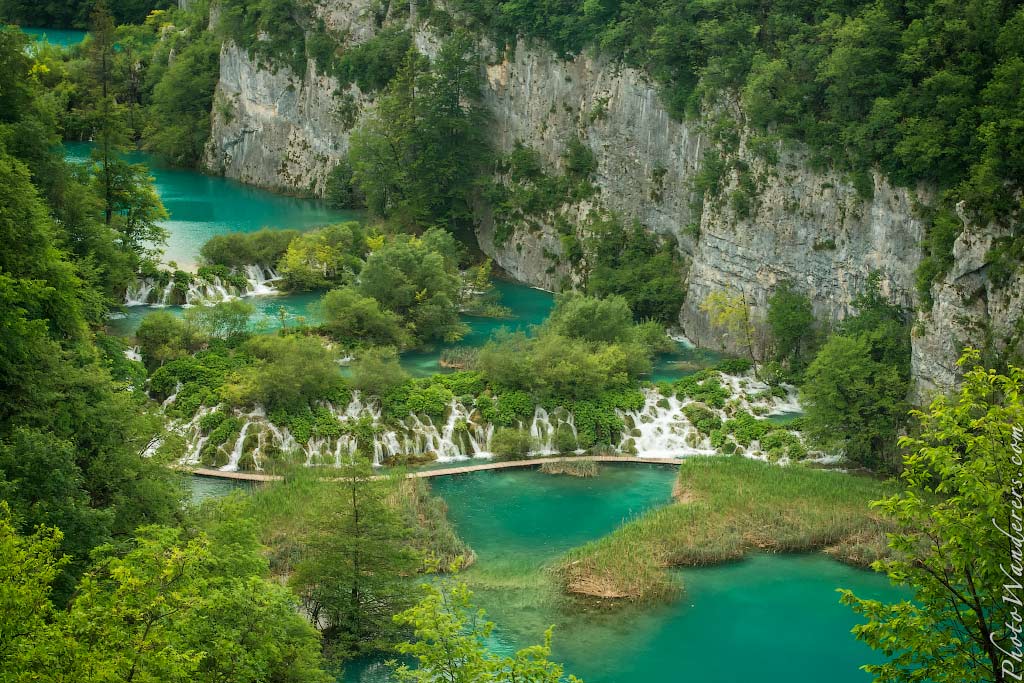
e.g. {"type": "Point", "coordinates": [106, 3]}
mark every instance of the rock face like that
{"type": "Point", "coordinates": [808, 226]}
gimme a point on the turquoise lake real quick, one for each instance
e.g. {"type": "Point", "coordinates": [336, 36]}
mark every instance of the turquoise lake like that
{"type": "Point", "coordinates": [769, 618]}
{"type": "Point", "coordinates": [201, 206]}
{"type": "Point", "coordinates": [56, 36]}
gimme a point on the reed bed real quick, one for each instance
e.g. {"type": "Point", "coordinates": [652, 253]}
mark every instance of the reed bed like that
{"type": "Point", "coordinates": [572, 468]}
{"type": "Point", "coordinates": [727, 507]}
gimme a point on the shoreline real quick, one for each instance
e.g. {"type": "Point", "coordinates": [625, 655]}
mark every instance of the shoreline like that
{"type": "Point", "coordinates": [448, 471]}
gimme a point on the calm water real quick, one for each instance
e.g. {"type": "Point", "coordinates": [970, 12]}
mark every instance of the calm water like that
{"type": "Point", "coordinates": [56, 36]}
{"type": "Point", "coordinates": [203, 488]}
{"type": "Point", "coordinates": [201, 206]}
{"type": "Point", "coordinates": [769, 618]}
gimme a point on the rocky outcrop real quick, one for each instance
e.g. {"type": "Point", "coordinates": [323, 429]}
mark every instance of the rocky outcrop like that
{"type": "Point", "coordinates": [274, 129]}
{"type": "Point", "coordinates": [968, 310]}
{"type": "Point", "coordinates": [801, 224]}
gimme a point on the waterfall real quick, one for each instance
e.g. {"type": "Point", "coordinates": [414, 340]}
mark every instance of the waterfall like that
{"type": "Point", "coordinates": [202, 290]}
{"type": "Point", "coordinates": [236, 451]}
{"type": "Point", "coordinates": [658, 429]}
{"type": "Point", "coordinates": [258, 278]}
{"type": "Point", "coordinates": [138, 292]}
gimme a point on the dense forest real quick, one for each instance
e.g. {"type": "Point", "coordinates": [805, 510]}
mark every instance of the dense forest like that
{"type": "Point", "coordinates": [111, 571]}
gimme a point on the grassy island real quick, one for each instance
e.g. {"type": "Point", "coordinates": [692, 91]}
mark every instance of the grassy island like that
{"type": "Point", "coordinates": [726, 507]}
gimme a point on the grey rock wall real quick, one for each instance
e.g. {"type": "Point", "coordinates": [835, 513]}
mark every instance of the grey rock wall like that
{"type": "Point", "coordinates": [281, 131]}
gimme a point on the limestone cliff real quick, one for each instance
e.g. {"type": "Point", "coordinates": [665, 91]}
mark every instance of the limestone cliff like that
{"type": "Point", "coordinates": [810, 226]}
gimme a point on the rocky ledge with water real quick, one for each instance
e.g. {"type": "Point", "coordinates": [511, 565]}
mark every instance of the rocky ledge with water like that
{"type": "Point", "coordinates": [717, 413]}
{"type": "Point", "coordinates": [208, 285]}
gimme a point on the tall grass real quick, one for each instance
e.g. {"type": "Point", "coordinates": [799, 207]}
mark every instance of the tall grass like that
{"type": "Point", "coordinates": [728, 507]}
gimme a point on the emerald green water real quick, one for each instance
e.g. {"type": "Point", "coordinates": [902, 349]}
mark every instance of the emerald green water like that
{"type": "Point", "coordinates": [768, 618]}
{"type": "Point", "coordinates": [299, 309]}
{"type": "Point", "coordinates": [201, 206]}
{"type": "Point", "coordinates": [56, 36]}
{"type": "Point", "coordinates": [205, 488]}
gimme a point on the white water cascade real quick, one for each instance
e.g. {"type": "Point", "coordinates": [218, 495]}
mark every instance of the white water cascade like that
{"type": "Point", "coordinates": [202, 290]}
{"type": "Point", "coordinates": [658, 429]}
{"type": "Point", "coordinates": [661, 430]}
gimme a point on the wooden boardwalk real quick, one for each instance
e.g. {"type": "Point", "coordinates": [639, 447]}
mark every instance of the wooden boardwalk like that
{"type": "Point", "coordinates": [454, 469]}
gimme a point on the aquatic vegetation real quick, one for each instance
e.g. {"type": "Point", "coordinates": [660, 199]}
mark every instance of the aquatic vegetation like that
{"type": "Point", "coordinates": [572, 468]}
{"type": "Point", "coordinates": [729, 507]}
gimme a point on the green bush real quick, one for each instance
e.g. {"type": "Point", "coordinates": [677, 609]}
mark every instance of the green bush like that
{"type": "Point", "coordinates": [705, 420]}
{"type": "Point", "coordinates": [510, 443]}
{"type": "Point", "coordinates": [377, 372]}
{"type": "Point", "coordinates": [705, 387]}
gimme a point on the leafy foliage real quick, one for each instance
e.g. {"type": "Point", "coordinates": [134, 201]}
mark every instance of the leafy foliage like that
{"type": "Point", "coordinates": [791, 320]}
{"type": "Point", "coordinates": [633, 263]}
{"type": "Point", "coordinates": [416, 161]}
{"type": "Point", "coordinates": [451, 644]}
{"type": "Point", "coordinates": [855, 389]}
{"type": "Point", "coordinates": [957, 527]}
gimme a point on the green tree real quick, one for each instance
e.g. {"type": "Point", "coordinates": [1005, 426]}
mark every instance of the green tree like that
{"type": "Point", "coordinates": [422, 285]}
{"type": "Point", "coordinates": [291, 373]}
{"type": "Point", "coordinates": [415, 162]}
{"type": "Point", "coordinates": [729, 312]}
{"type": "Point", "coordinates": [174, 608]}
{"type": "Point", "coordinates": [223, 320]}
{"type": "Point", "coordinates": [957, 546]}
{"type": "Point", "coordinates": [28, 564]}
{"type": "Point", "coordinates": [239, 249]}
{"type": "Point", "coordinates": [355, 319]}
{"type": "Point", "coordinates": [351, 577]}
{"type": "Point", "coordinates": [451, 644]}
{"type": "Point", "coordinates": [182, 100]}
{"type": "Point", "coordinates": [600, 320]}
{"type": "Point", "coordinates": [631, 262]}
{"type": "Point", "coordinates": [163, 336]}
{"type": "Point", "coordinates": [324, 257]}
{"type": "Point", "coordinates": [376, 371]}
{"type": "Point", "coordinates": [853, 402]}
{"type": "Point", "coordinates": [791, 319]}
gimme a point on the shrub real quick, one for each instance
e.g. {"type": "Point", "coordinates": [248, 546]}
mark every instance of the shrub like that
{"type": "Point", "coordinates": [377, 372]}
{"type": "Point", "coordinates": [701, 417]}
{"type": "Point", "coordinates": [350, 317]}
{"type": "Point", "coordinates": [510, 443]}
{"type": "Point", "coordinates": [290, 372]}
{"type": "Point", "coordinates": [734, 366]}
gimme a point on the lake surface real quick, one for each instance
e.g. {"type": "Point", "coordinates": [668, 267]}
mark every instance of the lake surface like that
{"type": "Point", "coordinates": [201, 206]}
{"type": "Point", "coordinates": [56, 36]}
{"type": "Point", "coordinates": [769, 618]}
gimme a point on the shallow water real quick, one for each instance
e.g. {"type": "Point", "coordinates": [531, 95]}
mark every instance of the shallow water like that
{"type": "Point", "coordinates": [768, 618]}
{"type": "Point", "coordinates": [205, 488]}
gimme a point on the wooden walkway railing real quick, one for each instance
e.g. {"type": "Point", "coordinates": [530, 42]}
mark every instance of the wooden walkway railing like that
{"type": "Point", "coordinates": [455, 469]}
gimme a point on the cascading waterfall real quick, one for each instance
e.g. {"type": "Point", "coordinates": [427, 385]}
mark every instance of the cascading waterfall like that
{"type": "Point", "coordinates": [658, 429]}
{"type": "Point", "coordinates": [661, 430]}
{"type": "Point", "coordinates": [202, 290]}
